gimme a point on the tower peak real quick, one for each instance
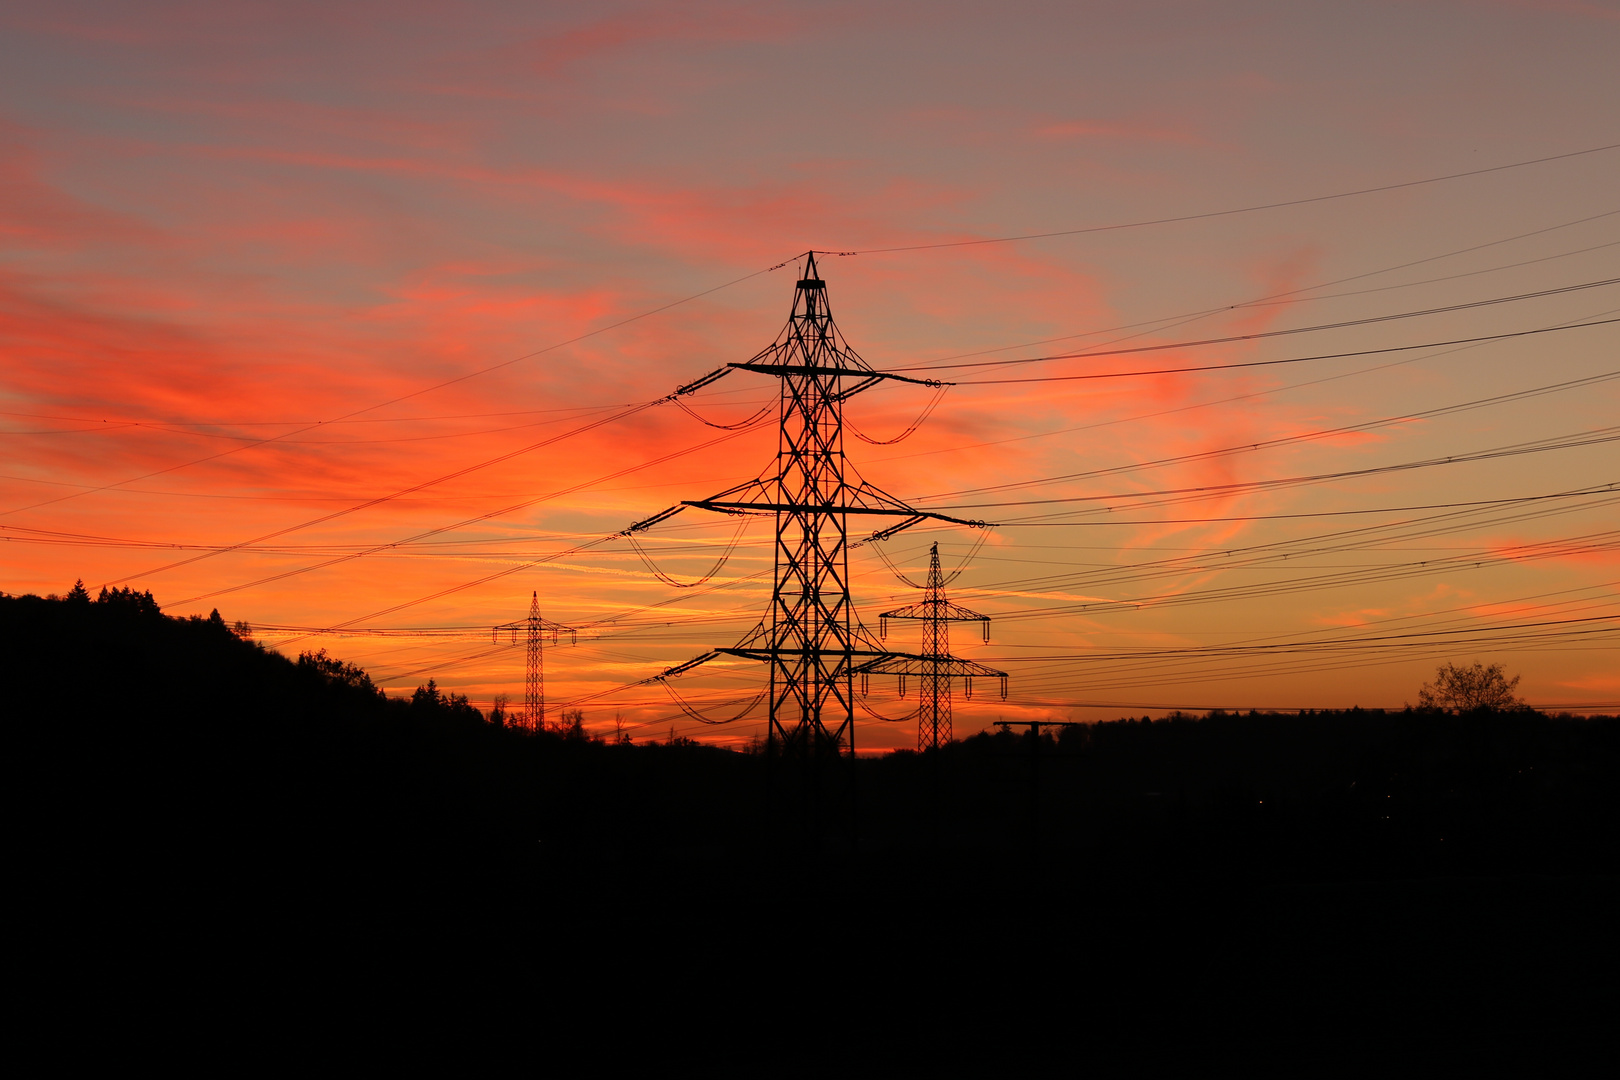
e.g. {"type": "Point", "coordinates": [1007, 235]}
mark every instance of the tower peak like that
{"type": "Point", "coordinates": [812, 277]}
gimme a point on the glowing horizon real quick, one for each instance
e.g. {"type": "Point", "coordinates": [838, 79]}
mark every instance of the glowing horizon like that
{"type": "Point", "coordinates": [262, 270]}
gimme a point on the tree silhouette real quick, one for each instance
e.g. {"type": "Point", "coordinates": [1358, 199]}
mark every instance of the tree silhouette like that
{"type": "Point", "coordinates": [572, 725]}
{"type": "Point", "coordinates": [1464, 689]}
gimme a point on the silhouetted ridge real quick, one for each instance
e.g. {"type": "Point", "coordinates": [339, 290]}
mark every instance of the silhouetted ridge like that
{"type": "Point", "coordinates": [190, 799]}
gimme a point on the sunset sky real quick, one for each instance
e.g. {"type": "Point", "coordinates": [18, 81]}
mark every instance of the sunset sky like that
{"type": "Point", "coordinates": [262, 264]}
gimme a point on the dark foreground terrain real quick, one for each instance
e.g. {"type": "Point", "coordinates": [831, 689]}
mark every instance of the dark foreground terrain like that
{"type": "Point", "coordinates": [230, 842]}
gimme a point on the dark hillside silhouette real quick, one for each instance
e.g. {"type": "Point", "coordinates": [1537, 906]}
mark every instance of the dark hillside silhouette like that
{"type": "Point", "coordinates": [183, 787]}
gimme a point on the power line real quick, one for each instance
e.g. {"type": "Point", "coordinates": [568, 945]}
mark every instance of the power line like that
{"type": "Point", "coordinates": [1309, 514]}
{"type": "Point", "coordinates": [335, 423]}
{"type": "Point", "coordinates": [1339, 541]}
{"type": "Point", "coordinates": [1227, 669]}
{"type": "Point", "coordinates": [1290, 360]}
{"type": "Point", "coordinates": [1193, 662]}
{"type": "Point", "coordinates": [403, 397]}
{"type": "Point", "coordinates": [1332, 644]}
{"type": "Point", "coordinates": [457, 525]}
{"type": "Point", "coordinates": [369, 503]}
{"type": "Point", "coordinates": [1185, 318]}
{"type": "Point", "coordinates": [1309, 436]}
{"type": "Point", "coordinates": [1211, 403]}
{"type": "Point", "coordinates": [1230, 212]}
{"type": "Point", "coordinates": [1342, 324]}
{"type": "Point", "coordinates": [1519, 553]}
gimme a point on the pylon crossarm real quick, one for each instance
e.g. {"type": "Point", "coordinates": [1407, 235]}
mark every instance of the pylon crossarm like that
{"type": "Point", "coordinates": [861, 498]}
{"type": "Point", "coordinates": [867, 375]}
{"type": "Point", "coordinates": [825, 508]}
{"type": "Point", "coordinates": [869, 494]}
{"type": "Point", "coordinates": [681, 669]}
{"type": "Point", "coordinates": [919, 664]}
{"type": "Point", "coordinates": [883, 376]}
{"type": "Point", "coordinates": [940, 610]}
{"type": "Point", "coordinates": [790, 508]}
{"type": "Point", "coordinates": [866, 493]}
{"type": "Point", "coordinates": [759, 484]}
{"type": "Point", "coordinates": [647, 523]}
{"type": "Point", "coordinates": [758, 633]}
{"type": "Point", "coordinates": [699, 383]}
{"type": "Point", "coordinates": [884, 534]}
{"type": "Point", "coordinates": [773, 654]}
{"type": "Point", "coordinates": [545, 626]}
{"type": "Point", "coordinates": [972, 523]}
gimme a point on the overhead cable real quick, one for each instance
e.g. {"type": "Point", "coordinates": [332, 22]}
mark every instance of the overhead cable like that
{"type": "Point", "coordinates": [1265, 334]}
{"type": "Point", "coordinates": [1230, 212]}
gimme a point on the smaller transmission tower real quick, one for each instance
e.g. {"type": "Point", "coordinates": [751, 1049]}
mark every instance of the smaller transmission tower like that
{"type": "Point", "coordinates": [532, 632]}
{"type": "Point", "coordinates": [936, 665]}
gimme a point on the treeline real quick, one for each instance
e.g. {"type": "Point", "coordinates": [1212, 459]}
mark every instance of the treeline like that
{"type": "Point", "coordinates": [182, 787]}
{"type": "Point", "coordinates": [1315, 795]}
{"type": "Point", "coordinates": [205, 745]}
{"type": "Point", "coordinates": [187, 728]}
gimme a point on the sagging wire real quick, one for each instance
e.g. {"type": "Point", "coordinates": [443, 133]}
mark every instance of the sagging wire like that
{"type": "Point", "coordinates": [740, 425]}
{"type": "Point", "coordinates": [893, 569]}
{"type": "Point", "coordinates": [912, 715]}
{"type": "Point", "coordinates": [687, 708]}
{"type": "Point", "coordinates": [725, 556]}
{"type": "Point", "coordinates": [922, 417]}
{"type": "Point", "coordinates": [967, 560]}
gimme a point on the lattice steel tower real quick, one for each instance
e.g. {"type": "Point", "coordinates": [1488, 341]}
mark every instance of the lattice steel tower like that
{"type": "Point", "coordinates": [533, 631]}
{"type": "Point", "coordinates": [936, 666]}
{"type": "Point", "coordinates": [811, 638]}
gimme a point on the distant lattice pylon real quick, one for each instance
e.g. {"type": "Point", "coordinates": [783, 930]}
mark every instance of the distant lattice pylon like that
{"type": "Point", "coordinates": [533, 631]}
{"type": "Point", "coordinates": [936, 666]}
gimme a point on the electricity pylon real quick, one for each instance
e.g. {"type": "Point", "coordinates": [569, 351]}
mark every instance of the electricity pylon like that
{"type": "Point", "coordinates": [533, 631]}
{"type": "Point", "coordinates": [936, 666]}
{"type": "Point", "coordinates": [811, 638]}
